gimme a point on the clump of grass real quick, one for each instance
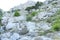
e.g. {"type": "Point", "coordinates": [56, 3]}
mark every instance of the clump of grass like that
{"type": "Point", "coordinates": [1, 15]}
{"type": "Point", "coordinates": [56, 23]}
{"type": "Point", "coordinates": [33, 14]}
{"type": "Point", "coordinates": [56, 26]}
{"type": "Point", "coordinates": [17, 13]}
{"type": "Point", "coordinates": [29, 16]}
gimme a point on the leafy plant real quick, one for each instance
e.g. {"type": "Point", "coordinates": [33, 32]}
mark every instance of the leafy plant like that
{"type": "Point", "coordinates": [38, 4]}
{"type": "Point", "coordinates": [17, 13]}
{"type": "Point", "coordinates": [29, 16]}
{"type": "Point", "coordinates": [56, 23]}
{"type": "Point", "coordinates": [56, 26]}
{"type": "Point", "coordinates": [1, 14]}
{"type": "Point", "coordinates": [34, 7]}
{"type": "Point", "coordinates": [33, 14]}
{"type": "Point", "coordinates": [54, 3]}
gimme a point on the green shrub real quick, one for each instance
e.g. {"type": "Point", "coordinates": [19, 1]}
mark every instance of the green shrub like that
{"type": "Point", "coordinates": [29, 16]}
{"type": "Point", "coordinates": [56, 26]}
{"type": "Point", "coordinates": [33, 14]}
{"type": "Point", "coordinates": [50, 2]}
{"type": "Point", "coordinates": [0, 20]}
{"type": "Point", "coordinates": [34, 7]}
{"type": "Point", "coordinates": [55, 20]}
{"type": "Point", "coordinates": [8, 11]}
{"type": "Point", "coordinates": [17, 14]}
{"type": "Point", "coordinates": [39, 4]}
{"type": "Point", "coordinates": [1, 14]}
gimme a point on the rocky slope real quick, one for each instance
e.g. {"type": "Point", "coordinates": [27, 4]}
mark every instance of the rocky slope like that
{"type": "Point", "coordinates": [31, 21]}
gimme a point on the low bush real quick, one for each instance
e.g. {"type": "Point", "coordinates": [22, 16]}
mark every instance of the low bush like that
{"type": "Point", "coordinates": [17, 13]}
{"type": "Point", "coordinates": [29, 16]}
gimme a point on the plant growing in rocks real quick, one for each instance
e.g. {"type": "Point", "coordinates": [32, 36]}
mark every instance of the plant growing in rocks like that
{"type": "Point", "coordinates": [55, 3]}
{"type": "Point", "coordinates": [38, 4]}
{"type": "Point", "coordinates": [34, 7]}
{"type": "Point", "coordinates": [56, 23]}
{"type": "Point", "coordinates": [29, 16]}
{"type": "Point", "coordinates": [1, 14]}
{"type": "Point", "coordinates": [16, 13]}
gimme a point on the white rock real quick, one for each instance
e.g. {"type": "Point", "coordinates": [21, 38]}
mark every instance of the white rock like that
{"type": "Point", "coordinates": [11, 19]}
{"type": "Point", "coordinates": [10, 25]}
{"type": "Point", "coordinates": [20, 18]}
{"type": "Point", "coordinates": [41, 38]}
{"type": "Point", "coordinates": [24, 31]}
{"type": "Point", "coordinates": [44, 26]}
{"type": "Point", "coordinates": [5, 39]}
{"type": "Point", "coordinates": [30, 26]}
{"type": "Point", "coordinates": [15, 36]}
{"type": "Point", "coordinates": [6, 35]}
{"type": "Point", "coordinates": [25, 38]}
{"type": "Point", "coordinates": [42, 14]}
{"type": "Point", "coordinates": [5, 20]}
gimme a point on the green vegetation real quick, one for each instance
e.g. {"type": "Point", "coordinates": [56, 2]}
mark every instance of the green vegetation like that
{"type": "Point", "coordinates": [34, 7]}
{"type": "Point", "coordinates": [1, 14]}
{"type": "Point", "coordinates": [33, 14]}
{"type": "Point", "coordinates": [29, 16]}
{"type": "Point", "coordinates": [56, 21]}
{"type": "Point", "coordinates": [56, 24]}
{"type": "Point", "coordinates": [15, 10]}
{"type": "Point", "coordinates": [17, 13]}
{"type": "Point", "coordinates": [38, 4]}
{"type": "Point", "coordinates": [50, 2]}
{"type": "Point", "coordinates": [28, 9]}
{"type": "Point", "coordinates": [54, 3]}
{"type": "Point", "coordinates": [8, 11]}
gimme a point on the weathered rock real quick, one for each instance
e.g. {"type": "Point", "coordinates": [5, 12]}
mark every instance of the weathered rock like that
{"type": "Point", "coordinates": [6, 35]}
{"type": "Point", "coordinates": [15, 36]}
{"type": "Point", "coordinates": [44, 26]}
{"type": "Point", "coordinates": [23, 31]}
{"type": "Point", "coordinates": [26, 38]}
{"type": "Point", "coordinates": [30, 26]}
{"type": "Point", "coordinates": [10, 26]}
{"type": "Point", "coordinates": [41, 38]}
{"type": "Point", "coordinates": [5, 39]}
